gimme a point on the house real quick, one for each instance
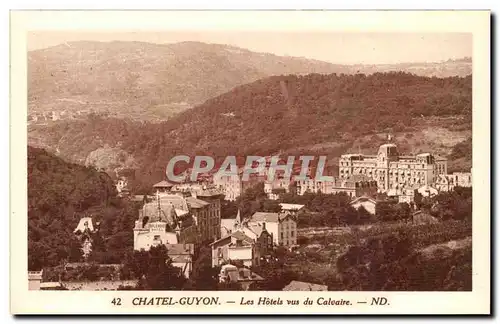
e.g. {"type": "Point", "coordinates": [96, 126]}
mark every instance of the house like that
{"type": "Point", "coordinates": [407, 195]}
{"type": "Point", "coordinates": [274, 188]}
{"type": "Point", "coordinates": [85, 225]}
{"type": "Point", "coordinates": [235, 247]}
{"type": "Point", "coordinates": [282, 226]}
{"type": "Point", "coordinates": [34, 279]}
{"type": "Point", "coordinates": [304, 286]}
{"type": "Point", "coordinates": [163, 186]}
{"type": "Point", "coordinates": [182, 257]}
{"type": "Point", "coordinates": [355, 185]}
{"type": "Point", "coordinates": [229, 225]}
{"type": "Point", "coordinates": [166, 220]}
{"type": "Point", "coordinates": [262, 238]}
{"type": "Point", "coordinates": [201, 215]}
{"type": "Point", "coordinates": [447, 182]}
{"type": "Point", "coordinates": [366, 202]}
{"type": "Point", "coordinates": [427, 191]}
{"type": "Point", "coordinates": [232, 274]}
{"type": "Point", "coordinates": [291, 208]}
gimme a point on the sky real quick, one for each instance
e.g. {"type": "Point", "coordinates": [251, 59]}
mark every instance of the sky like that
{"type": "Point", "coordinates": [334, 47]}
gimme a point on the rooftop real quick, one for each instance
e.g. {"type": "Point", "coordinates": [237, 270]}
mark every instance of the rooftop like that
{"type": "Point", "coordinates": [363, 199]}
{"type": "Point", "coordinates": [180, 249]}
{"type": "Point", "coordinates": [304, 286]}
{"type": "Point", "coordinates": [163, 184]}
{"type": "Point", "coordinates": [196, 203]}
{"type": "Point", "coordinates": [285, 206]}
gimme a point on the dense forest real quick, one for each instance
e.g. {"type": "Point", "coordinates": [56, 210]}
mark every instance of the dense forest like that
{"type": "Point", "coordinates": [59, 194]}
{"type": "Point", "coordinates": [270, 116]}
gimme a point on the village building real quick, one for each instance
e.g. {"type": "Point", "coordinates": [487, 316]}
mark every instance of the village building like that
{"type": "Point", "coordinates": [182, 257]}
{"type": "Point", "coordinates": [213, 197]}
{"type": "Point", "coordinates": [273, 189]}
{"type": "Point", "coordinates": [281, 226]}
{"type": "Point", "coordinates": [406, 195]}
{"type": "Point", "coordinates": [237, 246]}
{"type": "Point", "coordinates": [448, 182]}
{"type": "Point", "coordinates": [354, 186]}
{"type": "Point", "coordinates": [229, 225]}
{"type": "Point", "coordinates": [369, 204]}
{"type": "Point", "coordinates": [166, 220]}
{"type": "Point", "coordinates": [163, 186]}
{"type": "Point", "coordinates": [293, 209]}
{"type": "Point", "coordinates": [427, 191]}
{"type": "Point", "coordinates": [304, 286]}
{"type": "Point", "coordinates": [232, 186]}
{"type": "Point", "coordinates": [244, 277]}
{"type": "Point", "coordinates": [34, 279]}
{"type": "Point", "coordinates": [392, 170]}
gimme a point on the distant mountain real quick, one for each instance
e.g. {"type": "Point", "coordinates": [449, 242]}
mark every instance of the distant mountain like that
{"type": "Point", "coordinates": [143, 79]}
{"type": "Point", "coordinates": [313, 114]}
{"type": "Point", "coordinates": [156, 81]}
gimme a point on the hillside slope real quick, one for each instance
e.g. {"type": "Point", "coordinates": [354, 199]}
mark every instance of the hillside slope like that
{"type": "Point", "coordinates": [318, 114]}
{"type": "Point", "coordinates": [156, 81]}
{"type": "Point", "coordinates": [144, 79]}
{"type": "Point", "coordinates": [59, 193]}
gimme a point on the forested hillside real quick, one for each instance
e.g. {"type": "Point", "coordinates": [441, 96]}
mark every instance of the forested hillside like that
{"type": "Point", "coordinates": [318, 114]}
{"type": "Point", "coordinates": [59, 194]}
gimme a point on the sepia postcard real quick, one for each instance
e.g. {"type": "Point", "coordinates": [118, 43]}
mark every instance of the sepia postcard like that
{"type": "Point", "coordinates": [250, 162]}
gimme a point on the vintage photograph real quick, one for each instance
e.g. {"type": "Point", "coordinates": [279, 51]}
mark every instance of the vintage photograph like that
{"type": "Point", "coordinates": [268, 161]}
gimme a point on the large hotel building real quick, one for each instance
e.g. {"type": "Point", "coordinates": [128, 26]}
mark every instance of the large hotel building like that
{"type": "Point", "coordinates": [393, 171]}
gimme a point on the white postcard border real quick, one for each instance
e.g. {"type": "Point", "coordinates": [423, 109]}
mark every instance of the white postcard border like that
{"type": "Point", "coordinates": [24, 301]}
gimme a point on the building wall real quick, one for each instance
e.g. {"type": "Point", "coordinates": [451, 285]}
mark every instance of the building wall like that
{"type": "Point", "coordinates": [391, 170]}
{"type": "Point", "coordinates": [244, 254]}
{"type": "Point", "coordinates": [272, 228]}
{"type": "Point", "coordinates": [220, 252]}
{"type": "Point", "coordinates": [145, 239]}
{"type": "Point", "coordinates": [34, 280]}
{"type": "Point", "coordinates": [287, 232]}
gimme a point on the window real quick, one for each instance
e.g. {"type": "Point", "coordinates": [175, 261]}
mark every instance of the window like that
{"type": "Point", "coordinates": [282, 235]}
{"type": "Point", "coordinates": [291, 233]}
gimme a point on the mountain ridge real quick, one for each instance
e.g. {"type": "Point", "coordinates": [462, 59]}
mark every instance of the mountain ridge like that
{"type": "Point", "coordinates": [148, 81]}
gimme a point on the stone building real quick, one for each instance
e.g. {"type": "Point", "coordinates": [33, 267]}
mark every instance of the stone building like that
{"type": "Point", "coordinates": [392, 170]}
{"type": "Point", "coordinates": [354, 186]}
{"type": "Point", "coordinates": [281, 226]}
{"type": "Point", "coordinates": [235, 247]}
{"type": "Point", "coordinates": [166, 220]}
{"type": "Point", "coordinates": [447, 182]}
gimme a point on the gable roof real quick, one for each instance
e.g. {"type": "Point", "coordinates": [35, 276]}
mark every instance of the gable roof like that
{"type": "Point", "coordinates": [239, 235]}
{"type": "Point", "coordinates": [196, 203]}
{"type": "Point", "coordinates": [265, 217]}
{"type": "Point", "coordinates": [304, 286]}
{"type": "Point", "coordinates": [363, 199]}
{"type": "Point", "coordinates": [291, 206]}
{"type": "Point", "coordinates": [163, 184]}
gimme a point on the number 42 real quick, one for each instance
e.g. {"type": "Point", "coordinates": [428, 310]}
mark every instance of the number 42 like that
{"type": "Point", "coordinates": [116, 301]}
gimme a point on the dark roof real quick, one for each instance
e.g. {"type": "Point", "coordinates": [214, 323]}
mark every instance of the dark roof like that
{"type": "Point", "coordinates": [242, 236]}
{"type": "Point", "coordinates": [163, 184]}
{"type": "Point", "coordinates": [196, 203]}
{"type": "Point", "coordinates": [304, 286]}
{"type": "Point", "coordinates": [265, 217]}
